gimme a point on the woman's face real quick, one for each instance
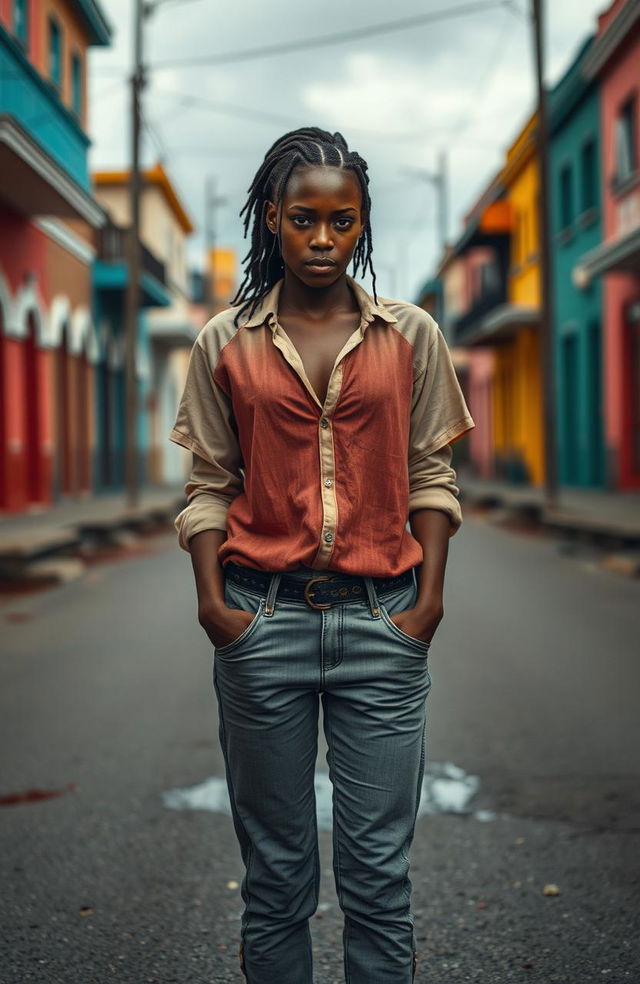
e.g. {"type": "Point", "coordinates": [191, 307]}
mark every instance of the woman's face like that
{"type": "Point", "coordinates": [320, 223]}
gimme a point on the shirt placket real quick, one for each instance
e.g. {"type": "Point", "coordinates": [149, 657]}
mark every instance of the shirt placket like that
{"type": "Point", "coordinates": [325, 435]}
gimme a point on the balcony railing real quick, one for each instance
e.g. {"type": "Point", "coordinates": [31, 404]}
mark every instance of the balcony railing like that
{"type": "Point", "coordinates": [27, 96]}
{"type": "Point", "coordinates": [467, 324]}
{"type": "Point", "coordinates": [113, 247]}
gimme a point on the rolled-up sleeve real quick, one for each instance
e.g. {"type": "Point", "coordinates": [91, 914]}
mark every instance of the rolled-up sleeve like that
{"type": "Point", "coordinates": [439, 416]}
{"type": "Point", "coordinates": [205, 426]}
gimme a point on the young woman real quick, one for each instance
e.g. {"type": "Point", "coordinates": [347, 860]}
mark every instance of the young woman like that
{"type": "Point", "coordinates": [320, 420]}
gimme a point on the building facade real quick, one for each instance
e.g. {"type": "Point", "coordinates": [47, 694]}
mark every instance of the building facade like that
{"type": "Point", "coordinates": [613, 64]}
{"type": "Point", "coordinates": [576, 227]}
{"type": "Point", "coordinates": [167, 324]}
{"type": "Point", "coordinates": [48, 215]}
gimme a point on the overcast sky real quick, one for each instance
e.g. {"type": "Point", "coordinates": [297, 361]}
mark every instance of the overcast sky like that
{"type": "Point", "coordinates": [462, 85]}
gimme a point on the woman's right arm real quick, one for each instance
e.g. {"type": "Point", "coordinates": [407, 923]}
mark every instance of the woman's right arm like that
{"type": "Point", "coordinates": [205, 424]}
{"type": "Point", "coordinates": [222, 624]}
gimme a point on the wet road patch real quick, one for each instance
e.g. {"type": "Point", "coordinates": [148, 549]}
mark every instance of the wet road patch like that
{"type": "Point", "coordinates": [446, 788]}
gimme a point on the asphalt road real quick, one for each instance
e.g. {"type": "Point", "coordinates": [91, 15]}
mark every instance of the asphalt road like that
{"type": "Point", "coordinates": [106, 695]}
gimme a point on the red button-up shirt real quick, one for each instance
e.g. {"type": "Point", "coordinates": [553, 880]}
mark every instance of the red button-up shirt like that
{"type": "Point", "coordinates": [330, 486]}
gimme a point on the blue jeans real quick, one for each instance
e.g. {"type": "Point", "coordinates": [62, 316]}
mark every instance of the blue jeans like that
{"type": "Point", "coordinates": [374, 680]}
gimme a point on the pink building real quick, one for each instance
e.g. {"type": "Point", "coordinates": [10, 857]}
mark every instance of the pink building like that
{"type": "Point", "coordinates": [615, 61]}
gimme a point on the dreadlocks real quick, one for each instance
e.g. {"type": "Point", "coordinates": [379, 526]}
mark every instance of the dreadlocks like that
{"type": "Point", "coordinates": [307, 146]}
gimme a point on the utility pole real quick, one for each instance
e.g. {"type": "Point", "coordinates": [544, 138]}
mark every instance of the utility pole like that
{"type": "Point", "coordinates": [132, 478]}
{"type": "Point", "coordinates": [440, 182]}
{"type": "Point", "coordinates": [212, 203]}
{"type": "Point", "coordinates": [438, 179]}
{"type": "Point", "coordinates": [546, 272]}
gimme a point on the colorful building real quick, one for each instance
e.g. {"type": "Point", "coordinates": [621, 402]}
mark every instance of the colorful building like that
{"type": "Point", "coordinates": [167, 326]}
{"type": "Point", "coordinates": [517, 402]}
{"type": "Point", "coordinates": [499, 319]}
{"type": "Point", "coordinates": [613, 64]}
{"type": "Point", "coordinates": [48, 344]}
{"type": "Point", "coordinates": [576, 227]}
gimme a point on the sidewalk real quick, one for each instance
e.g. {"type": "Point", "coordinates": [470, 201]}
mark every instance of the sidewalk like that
{"type": "Point", "coordinates": [64, 527]}
{"type": "Point", "coordinates": [607, 517]}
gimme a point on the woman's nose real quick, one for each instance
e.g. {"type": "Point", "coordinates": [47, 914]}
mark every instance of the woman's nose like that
{"type": "Point", "coordinates": [322, 237]}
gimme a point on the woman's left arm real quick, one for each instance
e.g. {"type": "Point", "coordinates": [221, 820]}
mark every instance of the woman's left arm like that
{"type": "Point", "coordinates": [439, 416]}
{"type": "Point", "coordinates": [431, 528]}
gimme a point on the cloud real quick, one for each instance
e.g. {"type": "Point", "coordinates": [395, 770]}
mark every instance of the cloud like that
{"type": "Point", "coordinates": [464, 86]}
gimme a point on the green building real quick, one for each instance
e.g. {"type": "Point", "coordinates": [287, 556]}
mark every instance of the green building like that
{"type": "Point", "coordinates": [576, 227]}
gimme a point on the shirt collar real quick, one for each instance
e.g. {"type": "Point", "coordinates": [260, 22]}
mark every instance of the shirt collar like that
{"type": "Point", "coordinates": [267, 310]}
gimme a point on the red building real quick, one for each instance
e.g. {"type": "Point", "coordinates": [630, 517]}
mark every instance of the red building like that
{"type": "Point", "coordinates": [47, 220]}
{"type": "Point", "coordinates": [614, 61]}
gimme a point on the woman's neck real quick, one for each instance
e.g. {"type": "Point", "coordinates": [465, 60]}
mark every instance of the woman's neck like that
{"type": "Point", "coordinates": [315, 303]}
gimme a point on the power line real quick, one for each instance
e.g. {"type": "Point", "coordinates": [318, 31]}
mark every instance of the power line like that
{"type": "Point", "coordinates": [341, 37]}
{"type": "Point", "coordinates": [481, 88]}
{"type": "Point", "coordinates": [267, 51]}
{"type": "Point", "coordinates": [156, 137]}
{"type": "Point", "coordinates": [264, 116]}
{"type": "Point", "coordinates": [227, 109]}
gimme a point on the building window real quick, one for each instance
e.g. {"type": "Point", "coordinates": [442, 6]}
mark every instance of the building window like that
{"type": "Point", "coordinates": [55, 52]}
{"type": "Point", "coordinates": [20, 22]}
{"type": "Point", "coordinates": [566, 196]}
{"type": "Point", "coordinates": [76, 83]}
{"type": "Point", "coordinates": [489, 278]}
{"type": "Point", "coordinates": [588, 168]}
{"type": "Point", "coordinates": [625, 141]}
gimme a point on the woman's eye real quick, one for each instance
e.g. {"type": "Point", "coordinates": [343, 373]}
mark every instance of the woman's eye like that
{"type": "Point", "coordinates": [299, 220]}
{"type": "Point", "coordinates": [344, 223]}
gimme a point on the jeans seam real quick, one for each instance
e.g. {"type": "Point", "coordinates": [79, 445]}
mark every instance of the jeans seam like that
{"type": "Point", "coordinates": [242, 823]}
{"type": "Point", "coordinates": [421, 768]}
{"type": "Point", "coordinates": [336, 840]}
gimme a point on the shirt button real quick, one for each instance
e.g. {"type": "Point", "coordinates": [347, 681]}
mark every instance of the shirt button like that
{"type": "Point", "coordinates": [324, 422]}
{"type": "Point", "coordinates": [328, 537]}
{"type": "Point", "coordinates": [328, 483]}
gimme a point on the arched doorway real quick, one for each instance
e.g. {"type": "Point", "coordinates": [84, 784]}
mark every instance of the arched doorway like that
{"type": "Point", "coordinates": [33, 401]}
{"type": "Point", "coordinates": [104, 406]}
{"type": "Point", "coordinates": [64, 466]}
{"type": "Point", "coordinates": [3, 416]}
{"type": "Point", "coordinates": [84, 416]}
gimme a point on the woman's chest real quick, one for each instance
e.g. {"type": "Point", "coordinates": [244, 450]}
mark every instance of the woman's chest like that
{"type": "Point", "coordinates": [318, 352]}
{"type": "Point", "coordinates": [361, 379]}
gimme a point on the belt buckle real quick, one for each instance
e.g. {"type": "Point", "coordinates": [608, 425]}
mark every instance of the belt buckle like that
{"type": "Point", "coordinates": [308, 593]}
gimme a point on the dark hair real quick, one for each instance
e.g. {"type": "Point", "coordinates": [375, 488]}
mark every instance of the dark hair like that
{"type": "Point", "coordinates": [307, 146]}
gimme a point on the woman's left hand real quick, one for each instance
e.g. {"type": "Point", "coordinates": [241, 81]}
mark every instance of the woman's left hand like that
{"type": "Point", "coordinates": [420, 622]}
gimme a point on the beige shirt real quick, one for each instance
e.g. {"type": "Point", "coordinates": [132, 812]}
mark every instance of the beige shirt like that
{"type": "Point", "coordinates": [295, 482]}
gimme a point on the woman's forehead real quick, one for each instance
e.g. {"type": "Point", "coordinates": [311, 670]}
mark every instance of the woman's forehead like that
{"type": "Point", "coordinates": [316, 181]}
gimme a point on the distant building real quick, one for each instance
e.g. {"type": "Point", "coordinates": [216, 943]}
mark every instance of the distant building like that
{"type": "Point", "coordinates": [613, 63]}
{"type": "Point", "coordinates": [496, 319]}
{"type": "Point", "coordinates": [48, 343]}
{"type": "Point", "coordinates": [576, 228]}
{"type": "Point", "coordinates": [221, 277]}
{"type": "Point", "coordinates": [167, 326]}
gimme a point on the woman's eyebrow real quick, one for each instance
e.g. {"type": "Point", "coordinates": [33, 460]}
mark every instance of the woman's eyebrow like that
{"type": "Point", "coordinates": [305, 208]}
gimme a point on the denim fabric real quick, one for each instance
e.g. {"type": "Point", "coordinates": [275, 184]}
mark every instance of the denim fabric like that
{"type": "Point", "coordinates": [373, 680]}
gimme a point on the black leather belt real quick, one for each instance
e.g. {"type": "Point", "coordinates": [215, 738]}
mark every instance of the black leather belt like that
{"type": "Point", "coordinates": [322, 591]}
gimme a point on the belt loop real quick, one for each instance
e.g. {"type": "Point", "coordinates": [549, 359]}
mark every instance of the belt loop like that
{"type": "Point", "coordinates": [374, 604]}
{"type": "Point", "coordinates": [270, 603]}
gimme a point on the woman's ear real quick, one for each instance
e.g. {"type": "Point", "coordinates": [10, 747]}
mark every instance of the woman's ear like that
{"type": "Point", "coordinates": [271, 217]}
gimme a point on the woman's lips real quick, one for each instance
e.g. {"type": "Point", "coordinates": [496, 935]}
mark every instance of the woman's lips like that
{"type": "Point", "coordinates": [321, 266]}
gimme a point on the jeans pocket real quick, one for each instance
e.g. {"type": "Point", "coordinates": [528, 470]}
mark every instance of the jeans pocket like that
{"type": "Point", "coordinates": [400, 601]}
{"type": "Point", "coordinates": [418, 644]}
{"type": "Point", "coordinates": [235, 598]}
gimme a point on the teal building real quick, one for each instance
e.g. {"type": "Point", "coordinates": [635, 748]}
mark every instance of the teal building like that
{"type": "Point", "coordinates": [576, 228]}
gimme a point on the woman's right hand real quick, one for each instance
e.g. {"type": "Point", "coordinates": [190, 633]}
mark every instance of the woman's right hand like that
{"type": "Point", "coordinates": [223, 625]}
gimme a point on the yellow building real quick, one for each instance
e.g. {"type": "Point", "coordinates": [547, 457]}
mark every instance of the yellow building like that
{"type": "Point", "coordinates": [517, 389]}
{"type": "Point", "coordinates": [221, 272]}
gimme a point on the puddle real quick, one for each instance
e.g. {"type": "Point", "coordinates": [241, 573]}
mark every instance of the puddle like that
{"type": "Point", "coordinates": [446, 789]}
